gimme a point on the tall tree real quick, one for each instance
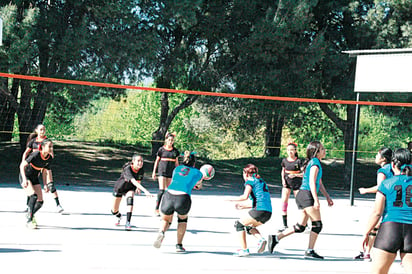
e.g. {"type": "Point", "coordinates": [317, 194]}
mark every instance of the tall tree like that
{"type": "Point", "coordinates": [86, 40]}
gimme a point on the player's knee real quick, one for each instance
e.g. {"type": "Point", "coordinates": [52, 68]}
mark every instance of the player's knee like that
{"type": "Point", "coordinates": [51, 187]}
{"type": "Point", "coordinates": [317, 227]}
{"type": "Point", "coordinates": [299, 228]}
{"type": "Point", "coordinates": [249, 229]}
{"type": "Point", "coordinates": [129, 201]}
{"type": "Point", "coordinates": [182, 220]}
{"type": "Point", "coordinates": [239, 226]}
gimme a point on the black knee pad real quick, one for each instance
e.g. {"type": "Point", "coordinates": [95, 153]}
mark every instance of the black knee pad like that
{"type": "Point", "coordinates": [51, 187]}
{"type": "Point", "coordinates": [317, 226]}
{"type": "Point", "coordinates": [182, 220]}
{"type": "Point", "coordinates": [248, 229]}
{"type": "Point", "coordinates": [299, 228]}
{"type": "Point", "coordinates": [129, 201]}
{"type": "Point", "coordinates": [239, 226]}
{"type": "Point", "coordinates": [374, 232]}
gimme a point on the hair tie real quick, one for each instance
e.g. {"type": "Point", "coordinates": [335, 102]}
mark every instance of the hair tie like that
{"type": "Point", "coordinates": [404, 166]}
{"type": "Point", "coordinates": [293, 143]}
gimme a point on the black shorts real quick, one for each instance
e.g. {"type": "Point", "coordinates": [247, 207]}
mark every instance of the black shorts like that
{"type": "Point", "coordinates": [175, 203]}
{"type": "Point", "coordinates": [165, 169]}
{"type": "Point", "coordinates": [260, 215]}
{"type": "Point", "coordinates": [293, 184]}
{"type": "Point", "coordinates": [33, 178]}
{"type": "Point", "coordinates": [304, 199]}
{"type": "Point", "coordinates": [121, 188]}
{"type": "Point", "coordinates": [393, 237]}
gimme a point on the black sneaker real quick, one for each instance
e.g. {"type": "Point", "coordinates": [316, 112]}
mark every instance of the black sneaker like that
{"type": "Point", "coordinates": [272, 242]}
{"type": "Point", "coordinates": [312, 255]}
{"type": "Point", "coordinates": [282, 229]}
{"type": "Point", "coordinates": [180, 248]}
{"type": "Point", "coordinates": [359, 257]}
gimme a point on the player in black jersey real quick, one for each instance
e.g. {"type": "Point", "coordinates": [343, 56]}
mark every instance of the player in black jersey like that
{"type": "Point", "coordinates": [127, 185]}
{"type": "Point", "coordinates": [291, 179]}
{"type": "Point", "coordinates": [165, 163]}
{"type": "Point", "coordinates": [34, 144]}
{"type": "Point", "coordinates": [30, 168]}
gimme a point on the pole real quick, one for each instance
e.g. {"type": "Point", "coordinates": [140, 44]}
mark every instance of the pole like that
{"type": "Point", "coordinates": [354, 151]}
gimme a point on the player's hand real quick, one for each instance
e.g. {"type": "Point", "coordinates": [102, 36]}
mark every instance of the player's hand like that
{"type": "Point", "coordinates": [365, 242]}
{"type": "Point", "coordinates": [46, 188]}
{"type": "Point", "coordinates": [330, 201]}
{"type": "Point", "coordinates": [362, 190]}
{"type": "Point", "coordinates": [24, 183]}
{"type": "Point", "coordinates": [316, 205]}
{"type": "Point", "coordinates": [154, 176]}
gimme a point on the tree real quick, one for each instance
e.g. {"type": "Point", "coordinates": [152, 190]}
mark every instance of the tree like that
{"type": "Point", "coordinates": [85, 40]}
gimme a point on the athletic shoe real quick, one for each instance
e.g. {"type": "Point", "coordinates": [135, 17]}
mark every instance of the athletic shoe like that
{"type": "Point", "coordinates": [159, 240]}
{"type": "Point", "coordinates": [26, 209]}
{"type": "Point", "coordinates": [128, 226]}
{"type": "Point", "coordinates": [261, 245]}
{"type": "Point", "coordinates": [312, 255]}
{"type": "Point", "coordinates": [367, 257]}
{"type": "Point", "coordinates": [118, 219]}
{"type": "Point", "coordinates": [59, 209]}
{"type": "Point", "coordinates": [282, 229]}
{"type": "Point", "coordinates": [359, 257]}
{"type": "Point", "coordinates": [31, 224]}
{"type": "Point", "coordinates": [242, 253]}
{"type": "Point", "coordinates": [157, 213]}
{"type": "Point", "coordinates": [180, 248]}
{"type": "Point", "coordinates": [272, 242]}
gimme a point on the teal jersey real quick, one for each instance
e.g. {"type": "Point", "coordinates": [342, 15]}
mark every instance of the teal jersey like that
{"type": "Point", "coordinates": [398, 194]}
{"type": "Point", "coordinates": [185, 178]}
{"type": "Point", "coordinates": [306, 175]}
{"type": "Point", "coordinates": [386, 170]}
{"type": "Point", "coordinates": [260, 195]}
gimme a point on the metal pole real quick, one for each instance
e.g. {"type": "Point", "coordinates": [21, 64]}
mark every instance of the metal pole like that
{"type": "Point", "coordinates": [355, 148]}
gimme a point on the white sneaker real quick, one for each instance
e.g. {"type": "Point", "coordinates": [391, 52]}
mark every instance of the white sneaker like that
{"type": "Point", "coordinates": [159, 240]}
{"type": "Point", "coordinates": [59, 209]}
{"type": "Point", "coordinates": [261, 245]}
{"type": "Point", "coordinates": [242, 253]}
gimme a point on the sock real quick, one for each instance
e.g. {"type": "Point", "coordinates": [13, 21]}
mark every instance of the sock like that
{"type": "Point", "coordinates": [129, 216]}
{"type": "Point", "coordinates": [285, 220]}
{"type": "Point", "coordinates": [57, 201]}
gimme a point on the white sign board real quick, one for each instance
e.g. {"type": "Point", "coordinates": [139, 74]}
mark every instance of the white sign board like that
{"type": "Point", "coordinates": [384, 73]}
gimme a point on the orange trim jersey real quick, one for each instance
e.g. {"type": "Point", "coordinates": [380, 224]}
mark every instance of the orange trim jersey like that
{"type": "Point", "coordinates": [167, 161]}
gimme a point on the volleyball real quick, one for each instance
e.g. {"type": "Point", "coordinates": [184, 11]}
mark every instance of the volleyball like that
{"type": "Point", "coordinates": [208, 172]}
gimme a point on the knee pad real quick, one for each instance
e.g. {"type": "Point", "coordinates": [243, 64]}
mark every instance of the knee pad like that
{"type": "Point", "coordinates": [285, 207]}
{"type": "Point", "coordinates": [299, 228]}
{"type": "Point", "coordinates": [239, 226]}
{"type": "Point", "coordinates": [317, 226]}
{"type": "Point", "coordinates": [129, 201]}
{"type": "Point", "coordinates": [182, 220]}
{"type": "Point", "coordinates": [374, 232]}
{"type": "Point", "coordinates": [51, 187]}
{"type": "Point", "coordinates": [248, 229]}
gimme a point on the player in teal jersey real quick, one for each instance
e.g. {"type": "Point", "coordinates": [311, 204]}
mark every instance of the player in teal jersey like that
{"type": "Point", "coordinates": [257, 191]}
{"type": "Point", "coordinates": [383, 159]}
{"type": "Point", "coordinates": [307, 201]}
{"type": "Point", "coordinates": [393, 203]}
{"type": "Point", "coordinates": [177, 199]}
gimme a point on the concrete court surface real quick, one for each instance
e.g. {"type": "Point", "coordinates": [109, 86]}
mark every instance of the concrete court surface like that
{"type": "Point", "coordinates": [85, 240]}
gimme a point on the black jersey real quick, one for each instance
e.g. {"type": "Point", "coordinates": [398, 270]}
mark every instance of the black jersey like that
{"type": "Point", "coordinates": [167, 161]}
{"type": "Point", "coordinates": [124, 183]}
{"type": "Point", "coordinates": [293, 167]}
{"type": "Point", "coordinates": [36, 164]}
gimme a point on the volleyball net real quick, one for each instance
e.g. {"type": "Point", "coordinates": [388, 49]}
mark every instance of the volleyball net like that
{"type": "Point", "coordinates": [219, 125]}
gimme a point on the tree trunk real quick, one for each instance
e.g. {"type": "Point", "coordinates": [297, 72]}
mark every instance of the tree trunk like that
{"type": "Point", "coordinates": [8, 110]}
{"type": "Point", "coordinates": [347, 127]}
{"type": "Point", "coordinates": [273, 138]}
